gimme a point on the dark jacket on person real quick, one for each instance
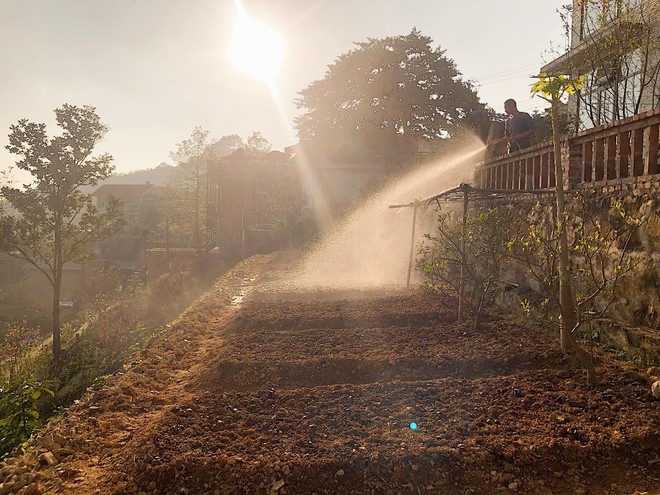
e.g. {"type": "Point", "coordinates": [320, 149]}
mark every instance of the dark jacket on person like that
{"type": "Point", "coordinates": [516, 125]}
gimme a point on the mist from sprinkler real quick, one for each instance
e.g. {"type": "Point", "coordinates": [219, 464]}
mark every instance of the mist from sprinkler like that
{"type": "Point", "coordinates": [369, 248]}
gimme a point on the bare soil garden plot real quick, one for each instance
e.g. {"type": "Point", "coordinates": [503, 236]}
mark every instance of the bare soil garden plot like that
{"type": "Point", "coordinates": [299, 395]}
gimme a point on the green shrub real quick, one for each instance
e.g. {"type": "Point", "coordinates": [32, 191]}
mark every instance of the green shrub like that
{"type": "Point", "coordinates": [19, 413]}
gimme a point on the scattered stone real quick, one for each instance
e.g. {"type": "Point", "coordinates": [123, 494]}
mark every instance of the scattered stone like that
{"type": "Point", "coordinates": [233, 460]}
{"type": "Point", "coordinates": [581, 491]}
{"type": "Point", "coordinates": [57, 438]}
{"type": "Point", "coordinates": [513, 486]}
{"type": "Point", "coordinates": [655, 389]}
{"type": "Point", "coordinates": [19, 483]}
{"type": "Point", "coordinates": [415, 467]}
{"type": "Point", "coordinates": [20, 470]}
{"type": "Point", "coordinates": [64, 452]}
{"type": "Point", "coordinates": [32, 489]}
{"type": "Point", "coordinates": [340, 473]}
{"type": "Point", "coordinates": [48, 458]}
{"type": "Point", "coordinates": [277, 485]}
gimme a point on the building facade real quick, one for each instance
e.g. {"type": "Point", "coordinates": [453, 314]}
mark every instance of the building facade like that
{"type": "Point", "coordinates": [615, 46]}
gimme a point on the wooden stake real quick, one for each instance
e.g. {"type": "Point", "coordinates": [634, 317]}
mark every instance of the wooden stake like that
{"type": "Point", "coordinates": [461, 288]}
{"type": "Point", "coordinates": [412, 244]}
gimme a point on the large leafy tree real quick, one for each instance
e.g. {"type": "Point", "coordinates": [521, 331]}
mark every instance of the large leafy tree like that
{"type": "Point", "coordinates": [386, 95]}
{"type": "Point", "coordinates": [53, 221]}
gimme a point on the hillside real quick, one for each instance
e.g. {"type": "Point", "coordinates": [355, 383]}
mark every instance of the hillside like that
{"type": "Point", "coordinates": [156, 176]}
{"type": "Point", "coordinates": [261, 388]}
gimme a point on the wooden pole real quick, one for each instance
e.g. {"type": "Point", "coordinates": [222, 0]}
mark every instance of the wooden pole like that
{"type": "Point", "coordinates": [167, 243]}
{"type": "Point", "coordinates": [412, 244]}
{"type": "Point", "coordinates": [461, 297]}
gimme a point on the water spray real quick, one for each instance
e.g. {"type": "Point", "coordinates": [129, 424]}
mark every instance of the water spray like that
{"type": "Point", "coordinates": [372, 247]}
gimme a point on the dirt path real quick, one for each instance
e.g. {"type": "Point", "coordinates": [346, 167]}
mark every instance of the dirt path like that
{"type": "Point", "coordinates": [256, 390]}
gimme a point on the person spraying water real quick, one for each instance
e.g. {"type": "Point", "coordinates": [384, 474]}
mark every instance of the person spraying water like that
{"type": "Point", "coordinates": [519, 129]}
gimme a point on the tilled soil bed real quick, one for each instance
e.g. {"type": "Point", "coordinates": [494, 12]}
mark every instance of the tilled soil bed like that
{"type": "Point", "coordinates": [360, 392]}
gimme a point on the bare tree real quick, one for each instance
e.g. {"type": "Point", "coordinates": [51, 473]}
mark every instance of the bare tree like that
{"type": "Point", "coordinates": [186, 187]}
{"type": "Point", "coordinates": [615, 45]}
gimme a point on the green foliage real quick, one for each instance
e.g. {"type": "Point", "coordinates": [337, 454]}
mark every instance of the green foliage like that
{"type": "Point", "coordinates": [20, 393]}
{"type": "Point", "coordinates": [168, 286]}
{"type": "Point", "coordinates": [117, 321]}
{"type": "Point", "coordinates": [543, 125]}
{"type": "Point", "coordinates": [599, 236]}
{"type": "Point", "coordinates": [55, 222]}
{"type": "Point", "coordinates": [552, 87]}
{"type": "Point", "coordinates": [386, 95]}
{"type": "Point", "coordinates": [476, 248]}
{"type": "Point", "coordinates": [534, 242]}
{"type": "Point", "coordinates": [19, 413]}
{"type": "Point", "coordinates": [600, 251]}
{"type": "Point", "coordinates": [18, 339]}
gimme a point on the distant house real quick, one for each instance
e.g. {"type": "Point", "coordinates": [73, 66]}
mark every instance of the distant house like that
{"type": "Point", "coordinates": [126, 248]}
{"type": "Point", "coordinates": [240, 218]}
{"type": "Point", "coordinates": [615, 45]}
{"type": "Point", "coordinates": [139, 200]}
{"type": "Point", "coordinates": [243, 217]}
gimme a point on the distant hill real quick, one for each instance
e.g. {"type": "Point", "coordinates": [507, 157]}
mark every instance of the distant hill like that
{"type": "Point", "coordinates": [156, 176]}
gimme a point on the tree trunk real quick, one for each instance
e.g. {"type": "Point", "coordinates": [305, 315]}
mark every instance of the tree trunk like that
{"type": "Point", "coordinates": [57, 288]}
{"type": "Point", "coordinates": [57, 350]}
{"type": "Point", "coordinates": [461, 289]}
{"type": "Point", "coordinates": [566, 302]}
{"type": "Point", "coordinates": [567, 309]}
{"type": "Point", "coordinates": [197, 236]}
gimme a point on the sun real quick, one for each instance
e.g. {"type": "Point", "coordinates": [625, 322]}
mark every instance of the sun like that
{"type": "Point", "coordinates": [256, 49]}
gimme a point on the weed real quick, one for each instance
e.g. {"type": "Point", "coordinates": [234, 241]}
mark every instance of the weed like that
{"type": "Point", "coordinates": [20, 413]}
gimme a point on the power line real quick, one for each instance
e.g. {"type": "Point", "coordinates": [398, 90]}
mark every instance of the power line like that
{"type": "Point", "coordinates": [506, 72]}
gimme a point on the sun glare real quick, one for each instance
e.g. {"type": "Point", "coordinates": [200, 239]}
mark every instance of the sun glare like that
{"type": "Point", "coordinates": [256, 49]}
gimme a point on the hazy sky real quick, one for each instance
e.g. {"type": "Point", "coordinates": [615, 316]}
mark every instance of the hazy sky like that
{"type": "Point", "coordinates": [155, 69]}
